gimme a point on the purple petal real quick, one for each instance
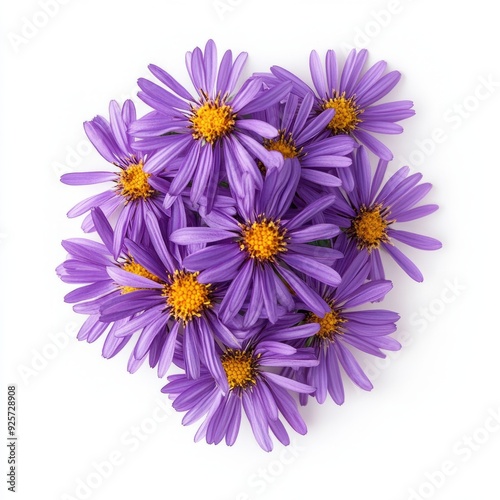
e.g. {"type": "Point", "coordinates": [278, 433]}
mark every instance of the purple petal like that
{"type": "Point", "coordinates": [310, 211]}
{"type": "Point", "coordinates": [86, 178]}
{"type": "Point", "coordinates": [317, 74]}
{"type": "Point", "coordinates": [335, 385]}
{"type": "Point", "coordinates": [125, 278]}
{"type": "Point", "coordinates": [289, 384]}
{"type": "Point", "coordinates": [415, 240]}
{"type": "Point", "coordinates": [170, 82]}
{"type": "Point", "coordinates": [312, 300]}
{"type": "Point", "coordinates": [313, 268]}
{"type": "Point", "coordinates": [374, 145]}
{"type": "Point", "coordinates": [417, 213]}
{"type": "Point", "coordinates": [314, 233]}
{"type": "Point", "coordinates": [91, 202]}
{"type": "Point", "coordinates": [190, 235]}
{"type": "Point", "coordinates": [404, 262]}
{"type": "Point", "coordinates": [237, 292]}
{"type": "Point", "coordinates": [352, 367]}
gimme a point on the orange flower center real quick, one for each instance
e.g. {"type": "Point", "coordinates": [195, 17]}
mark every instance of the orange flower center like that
{"type": "Point", "coordinates": [346, 114]}
{"type": "Point", "coordinates": [240, 368]}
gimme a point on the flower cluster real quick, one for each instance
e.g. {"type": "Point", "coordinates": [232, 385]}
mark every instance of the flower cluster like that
{"type": "Point", "coordinates": [239, 243]}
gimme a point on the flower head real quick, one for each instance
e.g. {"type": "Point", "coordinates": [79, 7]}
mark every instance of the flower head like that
{"type": "Point", "coordinates": [169, 303]}
{"type": "Point", "coordinates": [252, 384]}
{"type": "Point", "coordinates": [346, 326]}
{"type": "Point", "coordinates": [368, 215]}
{"type": "Point", "coordinates": [210, 131]}
{"type": "Point", "coordinates": [138, 187]}
{"type": "Point", "coordinates": [353, 95]}
{"type": "Point", "coordinates": [262, 249]}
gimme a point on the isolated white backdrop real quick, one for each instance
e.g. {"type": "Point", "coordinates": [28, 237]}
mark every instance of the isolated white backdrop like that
{"type": "Point", "coordinates": [88, 429]}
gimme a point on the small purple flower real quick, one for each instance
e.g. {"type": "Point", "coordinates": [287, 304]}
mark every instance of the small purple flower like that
{"type": "Point", "coordinates": [298, 141]}
{"type": "Point", "coordinates": [253, 384]}
{"type": "Point", "coordinates": [368, 213]}
{"type": "Point", "coordinates": [346, 324]}
{"type": "Point", "coordinates": [211, 131]}
{"type": "Point", "coordinates": [260, 250]}
{"type": "Point", "coordinates": [138, 187]}
{"type": "Point", "coordinates": [354, 94]}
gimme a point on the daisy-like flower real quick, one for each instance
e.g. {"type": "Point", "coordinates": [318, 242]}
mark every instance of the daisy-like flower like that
{"type": "Point", "coordinates": [261, 251]}
{"type": "Point", "coordinates": [211, 131]}
{"type": "Point", "coordinates": [353, 95]}
{"type": "Point", "coordinates": [253, 383]}
{"type": "Point", "coordinates": [368, 214]}
{"type": "Point", "coordinates": [87, 265]}
{"type": "Point", "coordinates": [138, 187]}
{"type": "Point", "coordinates": [346, 324]}
{"type": "Point", "coordinates": [175, 305]}
{"type": "Point", "coordinates": [297, 141]}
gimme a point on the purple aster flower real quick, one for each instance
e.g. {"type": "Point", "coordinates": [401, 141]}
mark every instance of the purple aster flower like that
{"type": "Point", "coordinates": [346, 324]}
{"type": "Point", "coordinates": [211, 131]}
{"type": "Point", "coordinates": [253, 384]}
{"type": "Point", "coordinates": [367, 215]}
{"type": "Point", "coordinates": [298, 141]}
{"type": "Point", "coordinates": [137, 186]}
{"type": "Point", "coordinates": [87, 265]}
{"type": "Point", "coordinates": [260, 250]}
{"type": "Point", "coordinates": [175, 305]}
{"type": "Point", "coordinates": [353, 95]}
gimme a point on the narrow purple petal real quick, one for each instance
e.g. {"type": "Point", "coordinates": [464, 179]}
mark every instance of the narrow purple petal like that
{"type": "Point", "coordinates": [86, 178]}
{"type": "Point", "coordinates": [316, 232]}
{"type": "Point", "coordinates": [313, 268]}
{"type": "Point", "coordinates": [404, 262]}
{"type": "Point", "coordinates": [312, 300]}
{"type": "Point", "coordinates": [415, 240]}
{"type": "Point", "coordinates": [374, 145]}
{"type": "Point", "coordinates": [352, 367]}
{"type": "Point", "coordinates": [287, 383]}
{"type": "Point", "coordinates": [125, 278]}
{"type": "Point", "coordinates": [310, 211]}
{"type": "Point", "coordinates": [237, 292]}
{"type": "Point", "coordinates": [417, 213]}
{"type": "Point", "coordinates": [170, 82]}
{"type": "Point", "coordinates": [190, 235]}
{"type": "Point", "coordinates": [91, 202]}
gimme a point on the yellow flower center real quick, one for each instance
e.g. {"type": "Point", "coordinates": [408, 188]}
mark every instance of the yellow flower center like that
{"type": "Point", "coordinates": [133, 183]}
{"type": "Point", "coordinates": [369, 227]}
{"type": "Point", "coordinates": [240, 368]}
{"type": "Point", "coordinates": [212, 120]}
{"type": "Point", "coordinates": [132, 266]}
{"type": "Point", "coordinates": [285, 145]}
{"type": "Point", "coordinates": [186, 297]}
{"type": "Point", "coordinates": [263, 239]}
{"type": "Point", "coordinates": [346, 114]}
{"type": "Point", "coordinates": [329, 325]}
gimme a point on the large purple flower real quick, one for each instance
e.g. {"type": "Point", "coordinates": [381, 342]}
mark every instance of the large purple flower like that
{"type": "Point", "coordinates": [175, 305]}
{"type": "Point", "coordinates": [138, 187]}
{"type": "Point", "coordinates": [253, 384]}
{"type": "Point", "coordinates": [210, 131]}
{"type": "Point", "coordinates": [353, 94]}
{"type": "Point", "coordinates": [261, 249]}
{"type": "Point", "coordinates": [346, 324]}
{"type": "Point", "coordinates": [367, 215]}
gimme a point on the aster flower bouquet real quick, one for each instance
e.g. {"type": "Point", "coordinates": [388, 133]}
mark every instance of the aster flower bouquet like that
{"type": "Point", "coordinates": [239, 241]}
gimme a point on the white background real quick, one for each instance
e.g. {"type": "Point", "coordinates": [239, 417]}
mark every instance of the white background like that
{"type": "Point", "coordinates": [77, 411]}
